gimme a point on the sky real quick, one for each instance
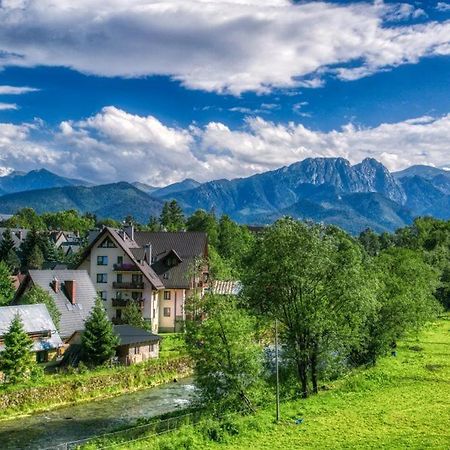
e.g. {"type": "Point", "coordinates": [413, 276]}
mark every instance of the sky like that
{"type": "Point", "coordinates": [158, 91]}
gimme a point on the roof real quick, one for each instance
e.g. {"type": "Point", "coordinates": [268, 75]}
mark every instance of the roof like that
{"type": "Point", "coordinates": [186, 246]}
{"type": "Point", "coordinates": [72, 316]}
{"type": "Point", "coordinates": [35, 318]}
{"type": "Point", "coordinates": [128, 246]}
{"type": "Point", "coordinates": [129, 335]}
{"type": "Point", "coordinates": [226, 287]}
{"type": "Point", "coordinates": [18, 235]}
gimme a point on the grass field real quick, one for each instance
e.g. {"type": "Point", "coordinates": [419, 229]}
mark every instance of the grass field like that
{"type": "Point", "coordinates": [402, 403]}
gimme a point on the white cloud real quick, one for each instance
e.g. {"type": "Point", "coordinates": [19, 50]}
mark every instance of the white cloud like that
{"type": "Point", "coordinates": [8, 106]}
{"type": "Point", "coordinates": [115, 145]}
{"type": "Point", "coordinates": [16, 90]}
{"type": "Point", "coordinates": [443, 6]}
{"type": "Point", "coordinates": [223, 46]}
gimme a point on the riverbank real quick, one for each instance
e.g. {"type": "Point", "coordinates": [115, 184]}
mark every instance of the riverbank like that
{"type": "Point", "coordinates": [58, 390]}
{"type": "Point", "coordinates": [403, 402]}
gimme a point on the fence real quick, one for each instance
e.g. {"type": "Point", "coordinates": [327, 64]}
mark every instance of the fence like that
{"type": "Point", "coordinates": [111, 440]}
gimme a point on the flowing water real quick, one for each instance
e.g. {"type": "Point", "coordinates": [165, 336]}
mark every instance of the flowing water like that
{"type": "Point", "coordinates": [86, 420]}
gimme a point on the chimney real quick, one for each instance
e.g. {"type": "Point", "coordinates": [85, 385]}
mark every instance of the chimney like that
{"type": "Point", "coordinates": [71, 290]}
{"type": "Point", "coordinates": [148, 253]}
{"type": "Point", "coordinates": [55, 284]}
{"type": "Point", "coordinates": [129, 229]}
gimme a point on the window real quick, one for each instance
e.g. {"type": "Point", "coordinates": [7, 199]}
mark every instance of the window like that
{"type": "Point", "coordinates": [154, 313]}
{"type": "Point", "coordinates": [166, 275]}
{"type": "Point", "coordinates": [119, 278]}
{"type": "Point", "coordinates": [166, 295]}
{"type": "Point", "coordinates": [166, 312]}
{"type": "Point", "coordinates": [136, 278]}
{"type": "Point", "coordinates": [118, 313]}
{"type": "Point", "coordinates": [107, 243]}
{"type": "Point", "coordinates": [102, 278]}
{"type": "Point", "coordinates": [151, 348]}
{"type": "Point", "coordinates": [120, 260]}
{"type": "Point", "coordinates": [102, 260]}
{"type": "Point", "coordinates": [103, 295]}
{"type": "Point", "coordinates": [137, 350]}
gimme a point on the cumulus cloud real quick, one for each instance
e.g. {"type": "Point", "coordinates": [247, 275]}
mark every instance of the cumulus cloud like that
{"type": "Point", "coordinates": [227, 46]}
{"type": "Point", "coordinates": [115, 145]}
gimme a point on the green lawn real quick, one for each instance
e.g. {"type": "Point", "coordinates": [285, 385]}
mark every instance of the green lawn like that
{"type": "Point", "coordinates": [402, 403]}
{"type": "Point", "coordinates": [172, 345]}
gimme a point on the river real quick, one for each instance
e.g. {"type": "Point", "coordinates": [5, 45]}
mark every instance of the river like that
{"type": "Point", "coordinates": [90, 419]}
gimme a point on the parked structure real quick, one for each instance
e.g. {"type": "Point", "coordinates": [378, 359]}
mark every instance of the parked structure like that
{"type": "Point", "coordinates": [135, 344]}
{"type": "Point", "coordinates": [73, 293]}
{"type": "Point", "coordinates": [39, 327]}
{"type": "Point", "coordinates": [155, 269]}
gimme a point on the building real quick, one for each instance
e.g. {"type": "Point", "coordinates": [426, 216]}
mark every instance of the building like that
{"type": "Point", "coordinates": [67, 241]}
{"type": "Point", "coordinates": [155, 269]}
{"type": "Point", "coordinates": [135, 344]}
{"type": "Point", "coordinates": [73, 293]}
{"type": "Point", "coordinates": [229, 287]}
{"type": "Point", "coordinates": [39, 327]}
{"type": "Point", "coordinates": [18, 235]}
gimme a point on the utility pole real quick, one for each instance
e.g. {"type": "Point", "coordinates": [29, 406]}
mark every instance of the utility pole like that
{"type": "Point", "coordinates": [276, 370]}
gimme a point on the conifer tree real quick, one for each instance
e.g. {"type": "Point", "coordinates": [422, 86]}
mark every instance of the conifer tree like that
{"type": "Point", "coordinates": [132, 316]}
{"type": "Point", "coordinates": [35, 259]}
{"type": "Point", "coordinates": [6, 245]}
{"type": "Point", "coordinates": [172, 217]}
{"type": "Point", "coordinates": [16, 360]}
{"type": "Point", "coordinates": [6, 285]}
{"type": "Point", "coordinates": [99, 341]}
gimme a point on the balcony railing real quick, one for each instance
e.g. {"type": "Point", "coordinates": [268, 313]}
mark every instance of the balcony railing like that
{"type": "Point", "coordinates": [121, 302]}
{"type": "Point", "coordinates": [129, 285]}
{"type": "Point", "coordinates": [126, 267]}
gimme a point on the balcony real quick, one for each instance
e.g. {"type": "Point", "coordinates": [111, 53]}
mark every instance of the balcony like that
{"type": "Point", "coordinates": [129, 285]}
{"type": "Point", "coordinates": [122, 302]}
{"type": "Point", "coordinates": [126, 267]}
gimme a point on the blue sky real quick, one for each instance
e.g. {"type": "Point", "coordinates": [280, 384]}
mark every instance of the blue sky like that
{"type": "Point", "coordinates": [158, 92]}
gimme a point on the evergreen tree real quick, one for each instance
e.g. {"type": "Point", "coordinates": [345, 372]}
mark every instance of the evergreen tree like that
{"type": "Point", "coordinates": [206, 222]}
{"type": "Point", "coordinates": [99, 341]}
{"type": "Point", "coordinates": [13, 261]}
{"type": "Point", "coordinates": [6, 245]}
{"type": "Point", "coordinates": [172, 217]}
{"type": "Point", "coordinates": [132, 316]}
{"type": "Point", "coordinates": [37, 295]}
{"type": "Point", "coordinates": [35, 259]}
{"type": "Point", "coordinates": [16, 360]}
{"type": "Point", "coordinates": [6, 286]}
{"type": "Point", "coordinates": [153, 224]}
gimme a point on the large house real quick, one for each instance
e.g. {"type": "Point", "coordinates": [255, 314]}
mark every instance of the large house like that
{"type": "Point", "coordinates": [39, 327]}
{"type": "Point", "coordinates": [73, 293]}
{"type": "Point", "coordinates": [158, 270]}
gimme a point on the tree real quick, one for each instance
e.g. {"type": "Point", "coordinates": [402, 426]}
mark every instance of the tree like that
{"type": "Point", "coordinates": [153, 224]}
{"type": "Point", "coordinates": [69, 220]}
{"type": "Point", "coordinates": [6, 286]}
{"type": "Point", "coordinates": [6, 245]}
{"type": "Point", "coordinates": [26, 218]}
{"type": "Point", "coordinates": [405, 301]}
{"type": "Point", "coordinates": [370, 241]}
{"type": "Point", "coordinates": [206, 222]}
{"type": "Point", "coordinates": [227, 361]}
{"type": "Point", "coordinates": [132, 315]}
{"type": "Point", "coordinates": [312, 280]}
{"type": "Point", "coordinates": [35, 259]}
{"type": "Point", "coordinates": [37, 295]}
{"type": "Point", "coordinates": [172, 217]}
{"type": "Point", "coordinates": [16, 360]}
{"type": "Point", "coordinates": [98, 341]}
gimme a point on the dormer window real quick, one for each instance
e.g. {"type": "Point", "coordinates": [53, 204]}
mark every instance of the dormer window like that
{"type": "Point", "coordinates": [107, 243]}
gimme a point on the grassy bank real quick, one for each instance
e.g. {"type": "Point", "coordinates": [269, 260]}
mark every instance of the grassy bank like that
{"type": "Point", "coordinates": [61, 389]}
{"type": "Point", "coordinates": [403, 402]}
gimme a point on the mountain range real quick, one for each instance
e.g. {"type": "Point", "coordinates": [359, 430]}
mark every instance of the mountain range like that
{"type": "Point", "coordinates": [328, 190]}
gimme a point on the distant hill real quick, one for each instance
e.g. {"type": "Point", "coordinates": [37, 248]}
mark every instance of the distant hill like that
{"type": "Point", "coordinates": [115, 200]}
{"type": "Point", "coordinates": [426, 172]}
{"type": "Point", "coordinates": [36, 179]}
{"type": "Point", "coordinates": [145, 187]}
{"type": "Point", "coordinates": [181, 186]}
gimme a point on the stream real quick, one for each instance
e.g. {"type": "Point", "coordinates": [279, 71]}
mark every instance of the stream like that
{"type": "Point", "coordinates": [70, 423]}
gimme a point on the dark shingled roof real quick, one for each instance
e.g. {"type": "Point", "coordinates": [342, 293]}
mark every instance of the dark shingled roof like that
{"type": "Point", "coordinates": [35, 319]}
{"type": "Point", "coordinates": [185, 246]}
{"type": "Point", "coordinates": [129, 335]}
{"type": "Point", "coordinates": [72, 316]}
